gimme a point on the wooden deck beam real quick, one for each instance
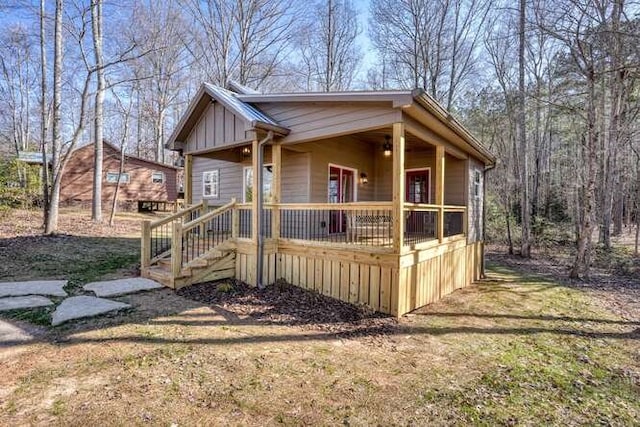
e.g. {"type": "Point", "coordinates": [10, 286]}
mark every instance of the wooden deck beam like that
{"type": "Point", "coordinates": [276, 184]}
{"type": "Point", "coordinates": [188, 179]}
{"type": "Point", "coordinates": [398, 186]}
{"type": "Point", "coordinates": [440, 162]}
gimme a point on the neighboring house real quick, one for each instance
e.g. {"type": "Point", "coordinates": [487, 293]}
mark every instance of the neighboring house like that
{"type": "Point", "coordinates": [144, 184]}
{"type": "Point", "coordinates": [374, 198]}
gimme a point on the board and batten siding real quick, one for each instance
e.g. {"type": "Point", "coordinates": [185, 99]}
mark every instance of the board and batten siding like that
{"type": "Point", "coordinates": [216, 126]}
{"type": "Point", "coordinates": [475, 205]}
{"type": "Point", "coordinates": [312, 121]}
{"type": "Point", "coordinates": [295, 177]}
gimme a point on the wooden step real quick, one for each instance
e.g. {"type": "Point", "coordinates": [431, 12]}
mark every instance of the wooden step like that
{"type": "Point", "coordinates": [160, 275]}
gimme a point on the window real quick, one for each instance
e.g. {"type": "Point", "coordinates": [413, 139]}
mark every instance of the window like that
{"type": "Point", "coordinates": [211, 184]}
{"type": "Point", "coordinates": [247, 184]}
{"type": "Point", "coordinates": [112, 177]}
{"type": "Point", "coordinates": [476, 184]}
{"type": "Point", "coordinates": [157, 177]}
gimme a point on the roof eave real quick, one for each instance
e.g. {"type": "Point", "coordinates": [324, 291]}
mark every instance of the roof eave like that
{"type": "Point", "coordinates": [425, 101]}
{"type": "Point", "coordinates": [278, 130]}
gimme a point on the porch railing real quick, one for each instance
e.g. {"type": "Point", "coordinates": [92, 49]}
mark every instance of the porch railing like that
{"type": "Point", "coordinates": [363, 224]}
{"type": "Point", "coordinates": [157, 235]}
{"type": "Point", "coordinates": [188, 234]}
{"type": "Point", "coordinates": [423, 222]}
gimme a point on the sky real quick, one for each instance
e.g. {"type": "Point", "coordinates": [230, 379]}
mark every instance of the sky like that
{"type": "Point", "coordinates": [363, 39]}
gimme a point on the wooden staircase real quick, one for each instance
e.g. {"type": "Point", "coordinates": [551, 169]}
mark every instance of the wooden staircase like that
{"type": "Point", "coordinates": [192, 246]}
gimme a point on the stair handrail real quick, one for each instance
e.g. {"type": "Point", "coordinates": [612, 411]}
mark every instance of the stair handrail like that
{"type": "Point", "coordinates": [178, 215]}
{"type": "Point", "coordinates": [181, 231]}
{"type": "Point", "coordinates": [146, 241]}
{"type": "Point", "coordinates": [208, 216]}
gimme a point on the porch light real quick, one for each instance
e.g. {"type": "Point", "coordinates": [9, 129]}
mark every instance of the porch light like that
{"type": "Point", "coordinates": [246, 152]}
{"type": "Point", "coordinates": [363, 178]}
{"type": "Point", "coordinates": [387, 146]}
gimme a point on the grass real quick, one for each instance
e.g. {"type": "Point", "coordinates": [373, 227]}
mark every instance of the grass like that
{"type": "Point", "coordinates": [82, 253]}
{"type": "Point", "coordinates": [516, 349]}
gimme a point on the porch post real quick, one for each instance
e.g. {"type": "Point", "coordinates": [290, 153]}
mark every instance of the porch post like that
{"type": "Point", "coordinates": [276, 160]}
{"type": "Point", "coordinates": [440, 190]}
{"type": "Point", "coordinates": [255, 215]}
{"type": "Point", "coordinates": [187, 179]}
{"type": "Point", "coordinates": [398, 187]}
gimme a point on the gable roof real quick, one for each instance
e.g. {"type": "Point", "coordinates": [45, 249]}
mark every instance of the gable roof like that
{"type": "Point", "coordinates": [398, 99]}
{"type": "Point", "coordinates": [243, 104]}
{"type": "Point", "coordinates": [252, 115]}
{"type": "Point", "coordinates": [112, 147]}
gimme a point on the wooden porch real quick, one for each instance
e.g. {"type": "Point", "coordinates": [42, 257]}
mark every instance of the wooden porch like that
{"type": "Point", "coordinates": [392, 256]}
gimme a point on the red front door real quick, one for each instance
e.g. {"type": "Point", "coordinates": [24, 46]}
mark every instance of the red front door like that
{"type": "Point", "coordinates": [417, 187]}
{"type": "Point", "coordinates": [341, 190]}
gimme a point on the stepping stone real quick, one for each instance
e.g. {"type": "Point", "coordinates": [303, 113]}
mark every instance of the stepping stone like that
{"type": "Point", "coordinates": [36, 287]}
{"type": "Point", "coordinates": [13, 303]}
{"type": "Point", "coordinates": [112, 288]}
{"type": "Point", "coordinates": [84, 306]}
{"type": "Point", "coordinates": [12, 335]}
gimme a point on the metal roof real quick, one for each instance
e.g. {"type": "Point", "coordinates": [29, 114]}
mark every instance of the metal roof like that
{"type": "Point", "coordinates": [243, 109]}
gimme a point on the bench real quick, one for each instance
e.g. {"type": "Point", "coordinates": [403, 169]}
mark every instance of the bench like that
{"type": "Point", "coordinates": [362, 225]}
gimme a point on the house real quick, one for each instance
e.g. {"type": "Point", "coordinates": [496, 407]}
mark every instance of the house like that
{"type": "Point", "coordinates": [144, 184]}
{"type": "Point", "coordinates": [374, 198]}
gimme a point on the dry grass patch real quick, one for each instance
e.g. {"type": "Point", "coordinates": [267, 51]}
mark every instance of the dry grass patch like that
{"type": "Point", "coordinates": [514, 350]}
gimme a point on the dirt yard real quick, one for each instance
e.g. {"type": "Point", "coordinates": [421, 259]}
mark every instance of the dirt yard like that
{"type": "Point", "coordinates": [516, 349]}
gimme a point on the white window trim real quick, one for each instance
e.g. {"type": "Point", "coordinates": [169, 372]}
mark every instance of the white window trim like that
{"type": "Point", "coordinates": [477, 182]}
{"type": "Point", "coordinates": [214, 195]}
{"type": "Point", "coordinates": [428, 169]}
{"type": "Point", "coordinates": [354, 183]}
{"type": "Point", "coordinates": [119, 175]}
{"type": "Point", "coordinates": [244, 181]}
{"type": "Point", "coordinates": [162, 174]}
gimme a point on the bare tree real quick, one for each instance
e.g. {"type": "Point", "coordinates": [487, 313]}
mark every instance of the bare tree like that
{"type": "Point", "coordinates": [244, 40]}
{"type": "Point", "coordinates": [44, 116]}
{"type": "Point", "coordinates": [525, 206]}
{"type": "Point", "coordinates": [96, 26]}
{"type": "Point", "coordinates": [329, 53]}
{"type": "Point", "coordinates": [431, 43]}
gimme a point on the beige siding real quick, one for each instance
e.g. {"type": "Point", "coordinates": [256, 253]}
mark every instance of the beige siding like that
{"type": "Point", "coordinates": [295, 177]}
{"type": "Point", "coordinates": [455, 177]}
{"type": "Point", "coordinates": [475, 203]}
{"type": "Point", "coordinates": [230, 179]}
{"type": "Point", "coordinates": [295, 181]}
{"type": "Point", "coordinates": [216, 126]}
{"type": "Point", "coordinates": [345, 152]}
{"type": "Point", "coordinates": [308, 121]}
{"type": "Point", "coordinates": [414, 159]}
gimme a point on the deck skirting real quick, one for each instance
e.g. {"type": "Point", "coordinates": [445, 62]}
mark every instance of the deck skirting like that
{"type": "Point", "coordinates": [385, 282]}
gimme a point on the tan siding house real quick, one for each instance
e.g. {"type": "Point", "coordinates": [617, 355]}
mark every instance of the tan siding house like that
{"type": "Point", "coordinates": [374, 198]}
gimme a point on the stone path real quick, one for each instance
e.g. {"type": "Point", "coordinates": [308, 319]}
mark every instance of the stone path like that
{"type": "Point", "coordinates": [22, 295]}
{"type": "Point", "coordinates": [52, 288]}
{"type": "Point", "coordinates": [84, 306]}
{"type": "Point", "coordinates": [12, 334]}
{"type": "Point", "coordinates": [113, 288]}
{"type": "Point", "coordinates": [31, 301]}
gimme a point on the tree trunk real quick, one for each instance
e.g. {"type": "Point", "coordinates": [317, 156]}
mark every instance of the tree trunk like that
{"type": "Point", "coordinates": [43, 115]}
{"type": "Point", "coordinates": [525, 209]}
{"type": "Point", "coordinates": [96, 21]}
{"type": "Point", "coordinates": [56, 137]}
{"type": "Point", "coordinates": [582, 259]}
{"type": "Point", "coordinates": [114, 202]}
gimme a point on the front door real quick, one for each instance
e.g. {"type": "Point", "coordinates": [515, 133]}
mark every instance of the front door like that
{"type": "Point", "coordinates": [341, 190]}
{"type": "Point", "coordinates": [418, 186]}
